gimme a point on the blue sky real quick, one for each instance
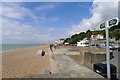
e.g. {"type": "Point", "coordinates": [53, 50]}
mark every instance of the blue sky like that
{"type": "Point", "coordinates": [44, 22]}
{"type": "Point", "coordinates": [61, 15]}
{"type": "Point", "coordinates": [67, 14]}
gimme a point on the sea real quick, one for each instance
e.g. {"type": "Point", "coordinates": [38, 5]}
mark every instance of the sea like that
{"type": "Point", "coordinates": [12, 47]}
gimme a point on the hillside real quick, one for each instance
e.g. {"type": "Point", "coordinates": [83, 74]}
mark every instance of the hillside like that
{"type": "Point", "coordinates": [114, 32]}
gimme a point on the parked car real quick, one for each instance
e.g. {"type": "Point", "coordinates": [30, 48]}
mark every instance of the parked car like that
{"type": "Point", "coordinates": [101, 69]}
{"type": "Point", "coordinates": [110, 46]}
{"type": "Point", "coordinates": [95, 46]}
{"type": "Point", "coordinates": [118, 48]}
{"type": "Point", "coordinates": [62, 44]}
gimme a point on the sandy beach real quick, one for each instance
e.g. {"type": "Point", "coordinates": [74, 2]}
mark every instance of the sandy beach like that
{"type": "Point", "coordinates": [25, 62]}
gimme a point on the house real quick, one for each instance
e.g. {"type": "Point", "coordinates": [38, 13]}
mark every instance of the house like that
{"type": "Point", "coordinates": [60, 41]}
{"type": "Point", "coordinates": [89, 41]}
{"type": "Point", "coordinates": [66, 43]}
{"type": "Point", "coordinates": [83, 43]}
{"type": "Point", "coordinates": [97, 36]}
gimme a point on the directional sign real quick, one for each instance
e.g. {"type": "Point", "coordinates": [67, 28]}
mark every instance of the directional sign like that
{"type": "Point", "coordinates": [106, 25]}
{"type": "Point", "coordinates": [102, 26]}
{"type": "Point", "coordinates": [113, 22]}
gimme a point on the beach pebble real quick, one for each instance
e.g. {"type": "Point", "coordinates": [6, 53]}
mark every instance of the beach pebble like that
{"type": "Point", "coordinates": [41, 52]}
{"type": "Point", "coordinates": [45, 72]}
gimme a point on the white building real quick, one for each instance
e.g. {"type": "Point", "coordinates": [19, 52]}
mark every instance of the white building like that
{"type": "Point", "coordinates": [83, 43]}
{"type": "Point", "coordinates": [60, 41]}
{"type": "Point", "coordinates": [97, 36]}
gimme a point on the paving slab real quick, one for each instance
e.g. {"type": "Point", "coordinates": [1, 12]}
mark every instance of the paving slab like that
{"type": "Point", "coordinates": [64, 64]}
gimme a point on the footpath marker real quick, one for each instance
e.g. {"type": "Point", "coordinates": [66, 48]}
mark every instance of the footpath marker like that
{"type": "Point", "coordinates": [106, 25]}
{"type": "Point", "coordinates": [102, 26]}
{"type": "Point", "coordinates": [113, 22]}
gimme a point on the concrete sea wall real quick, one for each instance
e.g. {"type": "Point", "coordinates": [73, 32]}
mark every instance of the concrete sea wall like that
{"type": "Point", "coordinates": [87, 55]}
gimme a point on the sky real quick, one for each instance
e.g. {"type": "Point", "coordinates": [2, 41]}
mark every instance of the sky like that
{"type": "Point", "coordinates": [45, 22]}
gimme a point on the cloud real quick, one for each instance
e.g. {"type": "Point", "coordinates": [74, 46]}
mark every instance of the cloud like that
{"type": "Point", "coordinates": [16, 11]}
{"type": "Point", "coordinates": [18, 32]}
{"type": "Point", "coordinates": [58, 0]}
{"type": "Point", "coordinates": [54, 19]}
{"type": "Point", "coordinates": [14, 32]}
{"type": "Point", "coordinates": [119, 9]}
{"type": "Point", "coordinates": [101, 11]}
{"type": "Point", "coordinates": [47, 6]}
{"type": "Point", "coordinates": [43, 18]}
{"type": "Point", "coordinates": [50, 29]}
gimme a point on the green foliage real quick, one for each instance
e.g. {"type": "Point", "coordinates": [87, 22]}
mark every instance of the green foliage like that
{"type": "Point", "coordinates": [114, 33]}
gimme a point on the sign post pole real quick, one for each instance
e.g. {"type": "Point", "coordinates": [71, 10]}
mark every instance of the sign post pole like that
{"type": "Point", "coordinates": [107, 52]}
{"type": "Point", "coordinates": [106, 25]}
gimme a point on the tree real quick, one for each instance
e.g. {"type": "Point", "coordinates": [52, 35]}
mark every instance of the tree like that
{"type": "Point", "coordinates": [87, 31]}
{"type": "Point", "coordinates": [114, 33]}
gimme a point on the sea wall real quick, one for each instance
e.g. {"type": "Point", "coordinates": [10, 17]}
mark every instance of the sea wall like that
{"type": "Point", "coordinates": [94, 57]}
{"type": "Point", "coordinates": [87, 55]}
{"type": "Point", "coordinates": [81, 49]}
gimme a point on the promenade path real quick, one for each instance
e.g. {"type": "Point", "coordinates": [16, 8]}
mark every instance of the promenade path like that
{"type": "Point", "coordinates": [64, 66]}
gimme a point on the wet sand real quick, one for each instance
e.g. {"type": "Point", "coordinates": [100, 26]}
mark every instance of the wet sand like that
{"type": "Point", "coordinates": [25, 62]}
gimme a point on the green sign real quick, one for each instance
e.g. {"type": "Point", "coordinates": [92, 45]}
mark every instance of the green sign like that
{"type": "Point", "coordinates": [102, 26]}
{"type": "Point", "coordinates": [113, 22]}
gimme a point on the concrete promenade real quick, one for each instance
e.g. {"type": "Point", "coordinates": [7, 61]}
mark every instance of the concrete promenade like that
{"type": "Point", "coordinates": [64, 66]}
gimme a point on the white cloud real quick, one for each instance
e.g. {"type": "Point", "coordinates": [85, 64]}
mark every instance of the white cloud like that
{"type": "Point", "coordinates": [50, 29]}
{"type": "Point", "coordinates": [43, 18]}
{"type": "Point", "coordinates": [16, 11]}
{"type": "Point", "coordinates": [58, 0]}
{"type": "Point", "coordinates": [45, 7]}
{"type": "Point", "coordinates": [101, 12]}
{"type": "Point", "coordinates": [54, 19]}
{"type": "Point", "coordinates": [14, 32]}
{"type": "Point", "coordinates": [119, 9]}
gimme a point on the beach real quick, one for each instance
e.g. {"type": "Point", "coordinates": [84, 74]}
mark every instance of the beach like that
{"type": "Point", "coordinates": [25, 62]}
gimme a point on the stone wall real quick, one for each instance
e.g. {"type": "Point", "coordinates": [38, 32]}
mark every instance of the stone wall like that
{"type": "Point", "coordinates": [89, 55]}
{"type": "Point", "coordinates": [90, 58]}
{"type": "Point", "coordinates": [90, 49]}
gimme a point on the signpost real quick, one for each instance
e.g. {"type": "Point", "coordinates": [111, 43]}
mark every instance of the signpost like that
{"type": "Point", "coordinates": [107, 52]}
{"type": "Point", "coordinates": [106, 25]}
{"type": "Point", "coordinates": [102, 26]}
{"type": "Point", "coordinates": [113, 22]}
